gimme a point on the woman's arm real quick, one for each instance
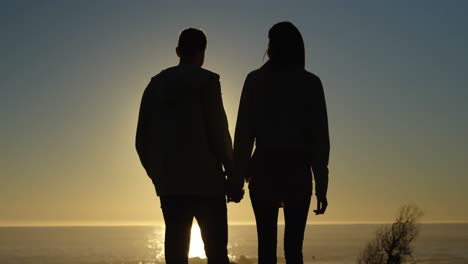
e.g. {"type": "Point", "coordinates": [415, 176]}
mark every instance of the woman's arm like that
{"type": "Point", "coordinates": [244, 136]}
{"type": "Point", "coordinates": [321, 143]}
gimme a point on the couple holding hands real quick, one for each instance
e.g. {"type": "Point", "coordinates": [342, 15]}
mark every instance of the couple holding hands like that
{"type": "Point", "coordinates": [184, 145]}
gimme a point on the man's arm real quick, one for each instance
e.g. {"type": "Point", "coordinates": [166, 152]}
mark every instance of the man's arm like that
{"type": "Point", "coordinates": [216, 123]}
{"type": "Point", "coordinates": [143, 128]}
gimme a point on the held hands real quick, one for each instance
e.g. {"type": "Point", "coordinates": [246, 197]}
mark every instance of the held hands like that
{"type": "Point", "coordinates": [322, 204]}
{"type": "Point", "coordinates": [234, 193]}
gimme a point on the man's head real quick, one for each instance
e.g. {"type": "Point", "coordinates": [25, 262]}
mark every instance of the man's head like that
{"type": "Point", "coordinates": [191, 46]}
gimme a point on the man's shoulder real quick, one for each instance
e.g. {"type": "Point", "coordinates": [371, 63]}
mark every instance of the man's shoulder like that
{"type": "Point", "coordinates": [164, 73]}
{"type": "Point", "coordinates": [190, 72]}
{"type": "Point", "coordinates": [209, 74]}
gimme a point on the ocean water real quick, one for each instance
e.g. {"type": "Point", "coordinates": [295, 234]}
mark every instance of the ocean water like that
{"type": "Point", "coordinates": [437, 243]}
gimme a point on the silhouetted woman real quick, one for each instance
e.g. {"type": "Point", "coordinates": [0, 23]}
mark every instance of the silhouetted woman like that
{"type": "Point", "coordinates": [282, 110]}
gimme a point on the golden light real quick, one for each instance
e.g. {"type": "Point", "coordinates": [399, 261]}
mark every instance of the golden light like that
{"type": "Point", "coordinates": [196, 243]}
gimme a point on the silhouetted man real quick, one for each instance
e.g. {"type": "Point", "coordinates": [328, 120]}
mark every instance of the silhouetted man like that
{"type": "Point", "coordinates": [183, 142]}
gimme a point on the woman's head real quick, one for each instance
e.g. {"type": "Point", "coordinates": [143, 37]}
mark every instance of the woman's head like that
{"type": "Point", "coordinates": [286, 46]}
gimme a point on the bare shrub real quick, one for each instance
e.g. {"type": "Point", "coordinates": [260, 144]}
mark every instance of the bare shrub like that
{"type": "Point", "coordinates": [392, 243]}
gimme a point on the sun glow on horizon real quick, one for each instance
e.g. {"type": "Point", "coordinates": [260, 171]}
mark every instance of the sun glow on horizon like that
{"type": "Point", "coordinates": [197, 248]}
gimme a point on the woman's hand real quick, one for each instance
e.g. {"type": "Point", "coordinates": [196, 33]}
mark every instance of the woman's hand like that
{"type": "Point", "coordinates": [322, 204]}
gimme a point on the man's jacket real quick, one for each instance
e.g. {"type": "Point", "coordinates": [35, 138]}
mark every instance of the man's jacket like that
{"type": "Point", "coordinates": [182, 135]}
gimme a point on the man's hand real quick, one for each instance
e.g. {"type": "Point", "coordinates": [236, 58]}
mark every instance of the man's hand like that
{"type": "Point", "coordinates": [322, 204]}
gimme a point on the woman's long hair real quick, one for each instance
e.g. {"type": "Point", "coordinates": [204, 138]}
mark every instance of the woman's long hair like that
{"type": "Point", "coordinates": [286, 47]}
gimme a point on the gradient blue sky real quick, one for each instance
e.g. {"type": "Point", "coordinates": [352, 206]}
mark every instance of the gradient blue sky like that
{"type": "Point", "coordinates": [73, 72]}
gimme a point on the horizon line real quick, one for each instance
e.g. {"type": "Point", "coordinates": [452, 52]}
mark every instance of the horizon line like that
{"type": "Point", "coordinates": [147, 224]}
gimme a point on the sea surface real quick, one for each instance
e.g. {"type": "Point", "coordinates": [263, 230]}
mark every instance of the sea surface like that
{"type": "Point", "coordinates": [437, 243]}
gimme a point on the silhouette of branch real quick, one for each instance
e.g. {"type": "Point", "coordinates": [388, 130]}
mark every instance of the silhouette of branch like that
{"type": "Point", "coordinates": [392, 244]}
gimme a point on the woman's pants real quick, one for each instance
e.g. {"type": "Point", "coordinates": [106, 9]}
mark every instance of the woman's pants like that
{"type": "Point", "coordinates": [295, 217]}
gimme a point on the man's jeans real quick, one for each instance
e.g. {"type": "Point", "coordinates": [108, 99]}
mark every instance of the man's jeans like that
{"type": "Point", "coordinates": [211, 215]}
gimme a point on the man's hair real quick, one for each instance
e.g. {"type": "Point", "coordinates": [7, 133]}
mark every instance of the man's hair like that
{"type": "Point", "coordinates": [191, 41]}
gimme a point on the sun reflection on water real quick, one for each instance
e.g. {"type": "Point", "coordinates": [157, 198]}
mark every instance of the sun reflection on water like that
{"type": "Point", "coordinates": [196, 243]}
{"type": "Point", "coordinates": [155, 242]}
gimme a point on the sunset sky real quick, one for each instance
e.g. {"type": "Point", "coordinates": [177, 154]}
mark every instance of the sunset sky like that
{"type": "Point", "coordinates": [395, 75]}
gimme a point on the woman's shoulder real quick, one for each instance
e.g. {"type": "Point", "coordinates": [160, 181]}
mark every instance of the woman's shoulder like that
{"type": "Point", "coordinates": [266, 71]}
{"type": "Point", "coordinates": [311, 76]}
{"type": "Point", "coordinates": [257, 72]}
